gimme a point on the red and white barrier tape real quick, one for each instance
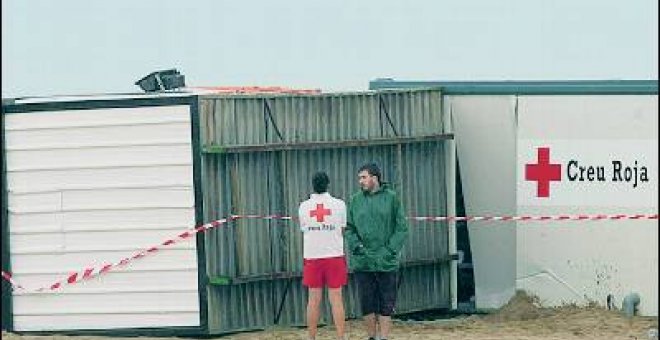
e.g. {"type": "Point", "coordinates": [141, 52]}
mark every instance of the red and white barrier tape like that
{"type": "Point", "coordinates": [539, 218]}
{"type": "Point", "coordinates": [90, 272]}
{"type": "Point", "coordinates": [490, 218]}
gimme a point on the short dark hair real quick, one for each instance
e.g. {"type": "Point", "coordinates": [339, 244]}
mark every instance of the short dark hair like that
{"type": "Point", "coordinates": [320, 182]}
{"type": "Point", "coordinates": [372, 169]}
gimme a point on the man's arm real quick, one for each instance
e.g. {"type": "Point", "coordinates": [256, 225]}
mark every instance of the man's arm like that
{"type": "Point", "coordinates": [353, 242]}
{"type": "Point", "coordinates": [301, 219]}
{"type": "Point", "coordinates": [398, 238]}
{"type": "Point", "coordinates": [342, 216]}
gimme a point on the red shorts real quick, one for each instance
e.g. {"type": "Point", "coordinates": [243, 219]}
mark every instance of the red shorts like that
{"type": "Point", "coordinates": [330, 271]}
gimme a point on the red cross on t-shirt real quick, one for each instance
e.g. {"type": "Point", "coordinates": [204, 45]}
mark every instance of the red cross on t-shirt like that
{"type": "Point", "coordinates": [320, 213]}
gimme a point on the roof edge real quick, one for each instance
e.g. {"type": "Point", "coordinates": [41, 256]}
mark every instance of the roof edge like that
{"type": "Point", "coordinates": [524, 87]}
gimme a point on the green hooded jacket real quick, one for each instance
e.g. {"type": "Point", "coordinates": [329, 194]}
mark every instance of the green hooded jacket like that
{"type": "Point", "coordinates": [376, 230]}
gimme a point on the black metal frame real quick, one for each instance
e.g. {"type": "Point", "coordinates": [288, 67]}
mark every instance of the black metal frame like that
{"type": "Point", "coordinates": [7, 315]}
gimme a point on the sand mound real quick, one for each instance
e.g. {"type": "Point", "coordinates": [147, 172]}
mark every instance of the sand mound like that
{"type": "Point", "coordinates": [521, 307]}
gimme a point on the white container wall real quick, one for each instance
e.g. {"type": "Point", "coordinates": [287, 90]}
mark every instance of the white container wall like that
{"type": "Point", "coordinates": [561, 262]}
{"type": "Point", "coordinates": [597, 144]}
{"type": "Point", "coordinates": [88, 187]}
{"type": "Point", "coordinates": [605, 149]}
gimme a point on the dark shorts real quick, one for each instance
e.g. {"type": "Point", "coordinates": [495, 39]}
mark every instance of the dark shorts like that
{"type": "Point", "coordinates": [377, 292]}
{"type": "Point", "coordinates": [331, 272]}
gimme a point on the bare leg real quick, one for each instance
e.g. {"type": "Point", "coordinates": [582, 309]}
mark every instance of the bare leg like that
{"type": "Point", "coordinates": [370, 322]}
{"type": "Point", "coordinates": [337, 303]}
{"type": "Point", "coordinates": [313, 310]}
{"type": "Point", "coordinates": [385, 323]}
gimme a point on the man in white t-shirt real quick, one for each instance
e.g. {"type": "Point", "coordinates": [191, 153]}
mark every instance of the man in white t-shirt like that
{"type": "Point", "coordinates": [322, 220]}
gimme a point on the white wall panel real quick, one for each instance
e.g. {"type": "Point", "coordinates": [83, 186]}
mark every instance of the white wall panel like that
{"type": "Point", "coordinates": [102, 220]}
{"type": "Point", "coordinates": [100, 321]}
{"type": "Point", "coordinates": [66, 119]}
{"type": "Point", "coordinates": [562, 262]}
{"type": "Point", "coordinates": [578, 262]}
{"type": "Point", "coordinates": [30, 139]}
{"type": "Point", "coordinates": [485, 133]}
{"type": "Point", "coordinates": [89, 187]}
{"type": "Point", "coordinates": [95, 157]}
{"type": "Point", "coordinates": [110, 177]}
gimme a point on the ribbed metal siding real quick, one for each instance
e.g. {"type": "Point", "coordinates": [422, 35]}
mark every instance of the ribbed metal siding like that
{"type": "Point", "coordinates": [276, 182]}
{"type": "Point", "coordinates": [236, 120]}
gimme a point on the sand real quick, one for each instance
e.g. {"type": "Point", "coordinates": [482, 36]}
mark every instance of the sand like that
{"type": "Point", "coordinates": [522, 318]}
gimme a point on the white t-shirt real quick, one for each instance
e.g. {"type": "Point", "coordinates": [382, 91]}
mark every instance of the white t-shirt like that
{"type": "Point", "coordinates": [322, 219]}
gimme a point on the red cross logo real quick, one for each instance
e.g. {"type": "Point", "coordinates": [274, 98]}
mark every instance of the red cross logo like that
{"type": "Point", "coordinates": [320, 213]}
{"type": "Point", "coordinates": [543, 172]}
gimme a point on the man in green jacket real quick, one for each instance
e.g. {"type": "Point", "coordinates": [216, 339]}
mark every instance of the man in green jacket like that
{"type": "Point", "coordinates": [375, 233]}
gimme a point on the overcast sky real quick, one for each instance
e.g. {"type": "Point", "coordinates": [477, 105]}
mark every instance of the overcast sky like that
{"type": "Point", "coordinates": [85, 46]}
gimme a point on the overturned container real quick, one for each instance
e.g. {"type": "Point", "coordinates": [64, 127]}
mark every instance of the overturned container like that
{"type": "Point", "coordinates": [93, 180]}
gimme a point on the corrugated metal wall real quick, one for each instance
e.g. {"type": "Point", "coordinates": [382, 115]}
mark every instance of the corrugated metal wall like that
{"type": "Point", "coordinates": [260, 261]}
